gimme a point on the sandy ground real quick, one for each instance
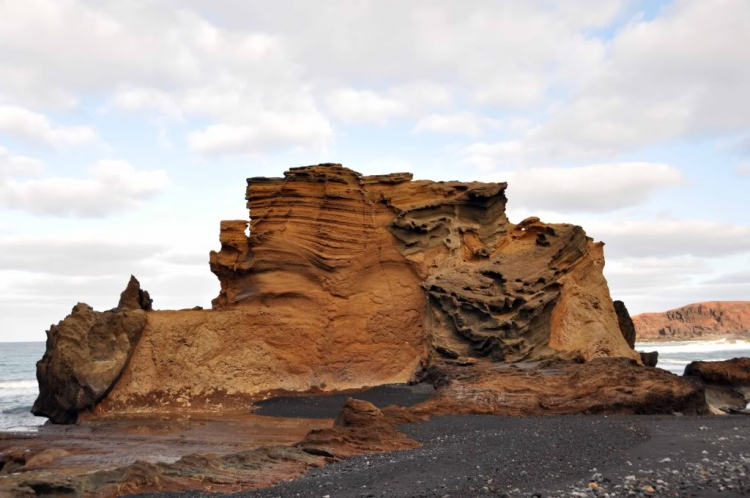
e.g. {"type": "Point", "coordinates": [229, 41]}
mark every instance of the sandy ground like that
{"type": "Point", "coordinates": [579, 456]}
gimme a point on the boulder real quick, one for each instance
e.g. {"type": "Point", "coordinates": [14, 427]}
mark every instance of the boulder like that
{"type": "Point", "coordinates": [649, 359]}
{"type": "Point", "coordinates": [86, 354]}
{"type": "Point", "coordinates": [727, 382]}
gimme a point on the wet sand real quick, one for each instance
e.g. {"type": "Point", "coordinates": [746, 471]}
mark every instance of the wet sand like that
{"type": "Point", "coordinates": [314, 407]}
{"type": "Point", "coordinates": [466, 456]}
{"type": "Point", "coordinates": [114, 442]}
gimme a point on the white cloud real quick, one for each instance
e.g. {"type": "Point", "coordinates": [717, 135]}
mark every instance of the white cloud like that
{"type": "Point", "coordinates": [406, 100]}
{"type": "Point", "coordinates": [18, 165]}
{"type": "Point", "coordinates": [668, 237]}
{"type": "Point", "coordinates": [595, 188]}
{"type": "Point", "coordinates": [22, 123]}
{"type": "Point", "coordinates": [364, 106]}
{"type": "Point", "coordinates": [310, 131]}
{"type": "Point", "coordinates": [656, 85]}
{"type": "Point", "coordinates": [138, 99]}
{"type": "Point", "coordinates": [88, 257]}
{"type": "Point", "coordinates": [743, 169]}
{"type": "Point", "coordinates": [110, 186]}
{"type": "Point", "coordinates": [647, 273]}
{"type": "Point", "coordinates": [463, 123]}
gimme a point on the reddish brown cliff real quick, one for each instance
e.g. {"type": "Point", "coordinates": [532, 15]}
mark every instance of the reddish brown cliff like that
{"type": "Point", "coordinates": [695, 321]}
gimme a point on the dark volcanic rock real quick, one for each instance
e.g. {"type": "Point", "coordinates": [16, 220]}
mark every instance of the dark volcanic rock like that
{"type": "Point", "coordinates": [727, 382]}
{"type": "Point", "coordinates": [85, 355]}
{"type": "Point", "coordinates": [650, 359]}
{"type": "Point", "coordinates": [626, 323]}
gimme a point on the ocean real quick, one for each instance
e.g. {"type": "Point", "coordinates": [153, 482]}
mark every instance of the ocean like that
{"type": "Point", "coordinates": [18, 386]}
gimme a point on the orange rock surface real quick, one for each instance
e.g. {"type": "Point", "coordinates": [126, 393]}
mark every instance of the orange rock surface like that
{"type": "Point", "coordinates": [695, 321]}
{"type": "Point", "coordinates": [345, 281]}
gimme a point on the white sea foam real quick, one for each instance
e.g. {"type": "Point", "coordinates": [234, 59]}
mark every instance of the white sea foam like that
{"type": "Point", "coordinates": [694, 346]}
{"type": "Point", "coordinates": [18, 385]}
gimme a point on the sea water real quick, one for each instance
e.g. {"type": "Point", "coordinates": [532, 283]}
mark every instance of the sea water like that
{"type": "Point", "coordinates": [674, 356]}
{"type": "Point", "coordinates": [18, 386]}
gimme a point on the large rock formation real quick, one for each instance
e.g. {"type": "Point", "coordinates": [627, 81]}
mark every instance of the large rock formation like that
{"type": "Point", "coordinates": [695, 321]}
{"type": "Point", "coordinates": [347, 281]}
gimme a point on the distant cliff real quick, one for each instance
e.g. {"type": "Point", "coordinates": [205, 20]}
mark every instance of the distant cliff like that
{"type": "Point", "coordinates": [695, 321]}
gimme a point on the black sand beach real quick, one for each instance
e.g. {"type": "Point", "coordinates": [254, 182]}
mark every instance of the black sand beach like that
{"type": "Point", "coordinates": [465, 456]}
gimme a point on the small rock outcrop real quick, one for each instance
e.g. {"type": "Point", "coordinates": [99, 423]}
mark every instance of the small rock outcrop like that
{"type": "Point", "coordinates": [134, 298]}
{"type": "Point", "coordinates": [359, 428]}
{"type": "Point", "coordinates": [649, 359]}
{"type": "Point", "coordinates": [727, 382]}
{"type": "Point", "coordinates": [626, 323]}
{"type": "Point", "coordinates": [85, 355]}
{"type": "Point", "coordinates": [696, 321]}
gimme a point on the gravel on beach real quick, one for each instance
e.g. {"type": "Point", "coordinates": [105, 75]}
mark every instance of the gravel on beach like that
{"type": "Point", "coordinates": [561, 456]}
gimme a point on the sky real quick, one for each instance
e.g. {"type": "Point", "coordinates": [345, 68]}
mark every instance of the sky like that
{"type": "Point", "coordinates": [127, 130]}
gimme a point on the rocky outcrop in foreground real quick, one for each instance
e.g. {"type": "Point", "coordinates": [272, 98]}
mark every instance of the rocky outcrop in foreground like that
{"type": "Point", "coordinates": [695, 321]}
{"type": "Point", "coordinates": [727, 382]}
{"type": "Point", "coordinates": [360, 428]}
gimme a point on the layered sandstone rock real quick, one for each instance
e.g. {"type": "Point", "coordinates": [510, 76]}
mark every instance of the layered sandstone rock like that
{"type": "Point", "coordinates": [695, 321]}
{"type": "Point", "coordinates": [86, 354]}
{"type": "Point", "coordinates": [341, 281]}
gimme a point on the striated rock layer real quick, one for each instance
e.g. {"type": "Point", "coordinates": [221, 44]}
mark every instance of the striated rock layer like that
{"type": "Point", "coordinates": [345, 281]}
{"type": "Point", "coordinates": [695, 321]}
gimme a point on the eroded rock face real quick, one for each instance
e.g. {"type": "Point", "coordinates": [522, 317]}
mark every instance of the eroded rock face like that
{"type": "Point", "coordinates": [696, 321]}
{"type": "Point", "coordinates": [341, 281]}
{"type": "Point", "coordinates": [444, 253]}
{"type": "Point", "coordinates": [85, 355]}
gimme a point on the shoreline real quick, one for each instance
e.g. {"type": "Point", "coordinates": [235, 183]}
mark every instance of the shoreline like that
{"type": "Point", "coordinates": [554, 456]}
{"type": "Point", "coordinates": [742, 337]}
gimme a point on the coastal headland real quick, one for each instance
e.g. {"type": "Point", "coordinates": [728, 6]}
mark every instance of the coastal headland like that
{"type": "Point", "coordinates": [339, 283]}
